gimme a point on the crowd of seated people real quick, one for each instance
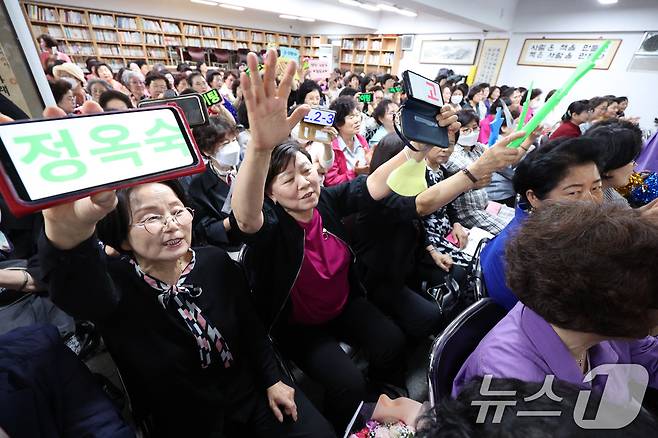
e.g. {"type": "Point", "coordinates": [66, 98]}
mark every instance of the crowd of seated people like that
{"type": "Point", "coordinates": [329, 256]}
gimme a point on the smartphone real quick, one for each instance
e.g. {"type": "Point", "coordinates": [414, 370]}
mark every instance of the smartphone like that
{"type": "Point", "coordinates": [212, 97]}
{"type": "Point", "coordinates": [421, 88]}
{"type": "Point", "coordinates": [396, 89]}
{"type": "Point", "coordinates": [54, 161]}
{"type": "Point", "coordinates": [192, 105]}
{"type": "Point", "coordinates": [365, 97]}
{"type": "Point", "coordinates": [53, 50]}
{"type": "Point", "coordinates": [321, 116]}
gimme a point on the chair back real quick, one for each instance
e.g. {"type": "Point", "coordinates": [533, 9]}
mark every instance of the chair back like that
{"type": "Point", "coordinates": [453, 346]}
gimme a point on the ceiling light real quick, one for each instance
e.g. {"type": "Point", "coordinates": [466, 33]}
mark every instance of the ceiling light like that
{"type": "Point", "coordinates": [310, 20]}
{"type": "Point", "coordinates": [607, 2]}
{"type": "Point", "coordinates": [233, 7]}
{"type": "Point", "coordinates": [204, 2]}
{"type": "Point", "coordinates": [368, 7]}
{"type": "Point", "coordinates": [288, 17]}
{"type": "Point", "coordinates": [406, 13]}
{"type": "Point", "coordinates": [388, 8]}
{"type": "Point", "coordinates": [349, 2]}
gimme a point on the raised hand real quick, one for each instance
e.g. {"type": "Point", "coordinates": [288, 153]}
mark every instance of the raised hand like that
{"type": "Point", "coordinates": [497, 157]}
{"type": "Point", "coordinates": [267, 103]}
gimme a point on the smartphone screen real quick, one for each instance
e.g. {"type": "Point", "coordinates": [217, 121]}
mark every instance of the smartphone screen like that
{"type": "Point", "coordinates": [394, 90]}
{"type": "Point", "coordinates": [192, 105]}
{"type": "Point", "coordinates": [320, 116]}
{"type": "Point", "coordinates": [365, 97]}
{"type": "Point", "coordinates": [48, 159]}
{"type": "Point", "coordinates": [424, 89]}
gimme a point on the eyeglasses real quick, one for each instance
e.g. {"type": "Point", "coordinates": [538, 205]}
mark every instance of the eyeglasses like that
{"type": "Point", "coordinates": [156, 223]}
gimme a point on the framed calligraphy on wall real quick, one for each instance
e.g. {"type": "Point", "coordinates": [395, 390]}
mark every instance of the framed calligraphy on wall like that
{"type": "Point", "coordinates": [491, 60]}
{"type": "Point", "coordinates": [567, 53]}
{"type": "Point", "coordinates": [449, 52]}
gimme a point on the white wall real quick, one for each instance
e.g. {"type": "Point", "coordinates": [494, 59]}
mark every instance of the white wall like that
{"type": "Point", "coordinates": [639, 87]}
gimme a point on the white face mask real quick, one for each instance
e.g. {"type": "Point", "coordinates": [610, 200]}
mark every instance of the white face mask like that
{"type": "Point", "coordinates": [469, 139]}
{"type": "Point", "coordinates": [456, 100]}
{"type": "Point", "coordinates": [229, 154]}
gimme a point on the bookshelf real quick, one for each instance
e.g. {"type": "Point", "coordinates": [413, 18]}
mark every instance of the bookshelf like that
{"type": "Point", "coordinates": [370, 53]}
{"type": "Point", "coordinates": [118, 38]}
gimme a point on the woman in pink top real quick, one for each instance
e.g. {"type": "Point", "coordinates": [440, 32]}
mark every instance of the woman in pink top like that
{"type": "Point", "coordinates": [298, 259]}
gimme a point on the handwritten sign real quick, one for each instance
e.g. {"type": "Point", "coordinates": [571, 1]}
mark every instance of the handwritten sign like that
{"type": "Point", "coordinates": [491, 60]}
{"type": "Point", "coordinates": [425, 90]}
{"type": "Point", "coordinates": [289, 53]}
{"type": "Point", "coordinates": [319, 69]}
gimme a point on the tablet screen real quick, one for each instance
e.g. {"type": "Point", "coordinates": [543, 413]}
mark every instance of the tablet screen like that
{"type": "Point", "coordinates": [56, 157]}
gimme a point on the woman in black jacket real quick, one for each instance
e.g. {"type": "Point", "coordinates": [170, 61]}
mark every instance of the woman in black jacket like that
{"type": "Point", "coordinates": [209, 191]}
{"type": "Point", "coordinates": [300, 264]}
{"type": "Point", "coordinates": [178, 321]}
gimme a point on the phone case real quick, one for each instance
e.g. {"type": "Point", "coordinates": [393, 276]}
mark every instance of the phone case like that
{"type": "Point", "coordinates": [20, 207]}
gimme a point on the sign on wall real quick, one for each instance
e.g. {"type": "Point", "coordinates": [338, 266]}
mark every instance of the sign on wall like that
{"type": "Point", "coordinates": [491, 61]}
{"type": "Point", "coordinates": [567, 53]}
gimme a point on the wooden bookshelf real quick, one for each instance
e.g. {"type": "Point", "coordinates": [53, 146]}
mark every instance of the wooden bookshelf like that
{"type": "Point", "coordinates": [370, 53]}
{"type": "Point", "coordinates": [118, 38]}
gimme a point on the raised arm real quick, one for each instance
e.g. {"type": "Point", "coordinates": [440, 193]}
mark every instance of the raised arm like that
{"type": "Point", "coordinates": [266, 108]}
{"type": "Point", "coordinates": [377, 180]}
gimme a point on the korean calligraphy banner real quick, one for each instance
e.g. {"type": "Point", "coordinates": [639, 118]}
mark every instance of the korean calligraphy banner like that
{"type": "Point", "coordinates": [565, 52]}
{"type": "Point", "coordinates": [491, 60]}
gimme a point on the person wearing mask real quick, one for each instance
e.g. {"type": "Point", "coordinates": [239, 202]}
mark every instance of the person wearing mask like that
{"type": "Point", "coordinates": [72, 72]}
{"type": "Point", "coordinates": [383, 115]}
{"type": "Point", "coordinates": [576, 313]}
{"type": "Point", "coordinates": [135, 84]}
{"type": "Point", "coordinates": [536, 102]}
{"type": "Point", "coordinates": [351, 150]}
{"type": "Point", "coordinates": [104, 72]}
{"type": "Point", "coordinates": [96, 87]}
{"type": "Point", "coordinates": [209, 191]}
{"type": "Point", "coordinates": [494, 94]}
{"type": "Point", "coordinates": [456, 98]}
{"type": "Point", "coordinates": [577, 113]}
{"type": "Point", "coordinates": [390, 238]}
{"type": "Point", "coordinates": [599, 107]}
{"type": "Point", "coordinates": [471, 207]}
{"type": "Point", "coordinates": [157, 84]}
{"type": "Point", "coordinates": [63, 94]}
{"type": "Point", "coordinates": [563, 170]}
{"type": "Point", "coordinates": [298, 254]}
{"type": "Point", "coordinates": [113, 100]}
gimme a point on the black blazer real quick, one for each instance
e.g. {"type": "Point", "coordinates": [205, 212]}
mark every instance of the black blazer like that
{"type": "Point", "coordinates": [276, 251]}
{"type": "Point", "coordinates": [208, 194]}
{"type": "Point", "coordinates": [155, 351]}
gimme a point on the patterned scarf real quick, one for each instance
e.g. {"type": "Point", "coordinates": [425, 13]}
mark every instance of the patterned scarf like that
{"type": "Point", "coordinates": [180, 296]}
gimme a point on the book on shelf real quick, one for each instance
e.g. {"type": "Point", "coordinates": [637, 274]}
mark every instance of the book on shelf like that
{"type": "Point", "coordinates": [170, 27]}
{"type": "Point", "coordinates": [296, 41]}
{"type": "Point", "coordinates": [151, 25]}
{"type": "Point", "coordinates": [316, 41]}
{"type": "Point", "coordinates": [53, 31]}
{"type": "Point", "coordinates": [72, 17]}
{"type": "Point", "coordinates": [42, 14]}
{"type": "Point", "coordinates": [209, 32]}
{"type": "Point", "coordinates": [271, 38]}
{"type": "Point", "coordinates": [81, 49]}
{"type": "Point", "coordinates": [242, 45]}
{"type": "Point", "coordinates": [210, 44]}
{"type": "Point", "coordinates": [133, 51]}
{"type": "Point", "coordinates": [157, 53]}
{"type": "Point", "coordinates": [76, 33]}
{"type": "Point", "coordinates": [126, 23]}
{"type": "Point", "coordinates": [108, 50]}
{"type": "Point", "coordinates": [228, 45]}
{"type": "Point", "coordinates": [130, 37]}
{"type": "Point", "coordinates": [106, 35]}
{"type": "Point", "coordinates": [172, 41]}
{"type": "Point", "coordinates": [191, 29]}
{"type": "Point", "coordinates": [194, 42]}
{"type": "Point", "coordinates": [376, 45]}
{"type": "Point", "coordinates": [226, 34]}
{"type": "Point", "coordinates": [257, 37]}
{"type": "Point", "coordinates": [102, 20]}
{"type": "Point", "coordinates": [283, 39]}
{"type": "Point", "coordinates": [154, 39]}
{"type": "Point", "coordinates": [241, 35]}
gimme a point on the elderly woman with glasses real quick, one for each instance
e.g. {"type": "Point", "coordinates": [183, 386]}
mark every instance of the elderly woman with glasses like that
{"type": "Point", "coordinates": [177, 320]}
{"type": "Point", "coordinates": [351, 151]}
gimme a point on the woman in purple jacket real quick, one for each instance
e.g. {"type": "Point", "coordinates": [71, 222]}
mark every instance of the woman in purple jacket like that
{"type": "Point", "coordinates": [586, 280]}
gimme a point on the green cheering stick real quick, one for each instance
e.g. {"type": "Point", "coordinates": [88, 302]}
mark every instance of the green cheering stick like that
{"type": "Point", "coordinates": [545, 110]}
{"type": "Point", "coordinates": [526, 105]}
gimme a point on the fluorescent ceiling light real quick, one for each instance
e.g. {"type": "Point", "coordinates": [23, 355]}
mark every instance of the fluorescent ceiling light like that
{"type": "Point", "coordinates": [288, 17]}
{"type": "Point", "coordinates": [607, 2]}
{"type": "Point", "coordinates": [204, 2]}
{"type": "Point", "coordinates": [349, 2]}
{"type": "Point", "coordinates": [369, 7]}
{"type": "Point", "coordinates": [407, 13]}
{"type": "Point", "coordinates": [307, 19]}
{"type": "Point", "coordinates": [233, 7]}
{"type": "Point", "coordinates": [388, 8]}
